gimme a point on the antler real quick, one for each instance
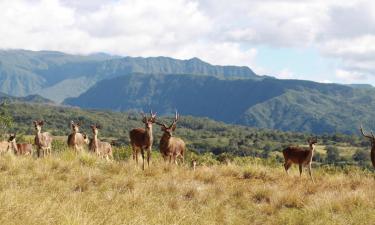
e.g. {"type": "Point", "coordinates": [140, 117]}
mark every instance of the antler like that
{"type": "Point", "coordinates": [144, 119]}
{"type": "Point", "coordinates": [161, 124]}
{"type": "Point", "coordinates": [177, 117]}
{"type": "Point", "coordinates": [153, 115]}
{"type": "Point", "coordinates": [366, 135]}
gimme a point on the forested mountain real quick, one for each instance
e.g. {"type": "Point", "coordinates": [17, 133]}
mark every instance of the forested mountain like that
{"type": "Point", "coordinates": [227, 93]}
{"type": "Point", "coordinates": [57, 75]}
{"type": "Point", "coordinates": [269, 103]}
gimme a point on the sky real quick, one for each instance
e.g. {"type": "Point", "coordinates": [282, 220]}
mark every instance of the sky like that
{"type": "Point", "coordinates": [320, 40]}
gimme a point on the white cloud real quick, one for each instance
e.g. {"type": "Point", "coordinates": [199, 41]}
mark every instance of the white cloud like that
{"type": "Point", "coordinates": [219, 31]}
{"type": "Point", "coordinates": [350, 76]}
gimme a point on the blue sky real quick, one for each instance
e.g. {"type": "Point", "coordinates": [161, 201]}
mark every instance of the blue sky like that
{"type": "Point", "coordinates": [320, 40]}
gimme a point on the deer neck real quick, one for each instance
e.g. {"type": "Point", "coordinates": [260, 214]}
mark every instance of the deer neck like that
{"type": "Point", "coordinates": [165, 139]}
{"type": "Point", "coordinates": [311, 152]}
{"type": "Point", "coordinates": [148, 134]}
{"type": "Point", "coordinates": [95, 140]}
{"type": "Point", "coordinates": [14, 146]}
{"type": "Point", "coordinates": [39, 134]}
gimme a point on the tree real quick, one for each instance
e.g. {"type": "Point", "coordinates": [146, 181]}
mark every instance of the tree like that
{"type": "Point", "coordinates": [333, 154]}
{"type": "Point", "coordinates": [6, 119]}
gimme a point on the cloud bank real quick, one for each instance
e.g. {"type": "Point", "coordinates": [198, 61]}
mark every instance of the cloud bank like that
{"type": "Point", "coordinates": [218, 31]}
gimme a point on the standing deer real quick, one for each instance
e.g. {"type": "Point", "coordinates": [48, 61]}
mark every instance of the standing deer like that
{"type": "Point", "coordinates": [171, 147]}
{"type": "Point", "coordinates": [76, 140]}
{"type": "Point", "coordinates": [101, 148]}
{"type": "Point", "coordinates": [372, 139]}
{"type": "Point", "coordinates": [21, 148]}
{"type": "Point", "coordinates": [300, 156]}
{"type": "Point", "coordinates": [43, 141]}
{"type": "Point", "coordinates": [142, 138]}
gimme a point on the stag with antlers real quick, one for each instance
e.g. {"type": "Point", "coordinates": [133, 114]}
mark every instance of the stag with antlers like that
{"type": "Point", "coordinates": [142, 139]}
{"type": "Point", "coordinates": [43, 141]}
{"type": "Point", "coordinates": [171, 147]}
{"type": "Point", "coordinates": [76, 140]}
{"type": "Point", "coordinates": [300, 156]}
{"type": "Point", "coordinates": [372, 139]}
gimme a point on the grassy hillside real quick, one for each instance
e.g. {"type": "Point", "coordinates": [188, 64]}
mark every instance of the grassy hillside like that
{"type": "Point", "coordinates": [202, 135]}
{"type": "Point", "coordinates": [69, 189]}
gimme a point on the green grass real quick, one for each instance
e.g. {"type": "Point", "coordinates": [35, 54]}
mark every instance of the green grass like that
{"type": "Point", "coordinates": [67, 188]}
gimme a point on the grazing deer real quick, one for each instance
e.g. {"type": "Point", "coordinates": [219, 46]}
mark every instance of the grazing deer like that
{"type": "Point", "coordinates": [372, 139]}
{"type": "Point", "coordinates": [171, 147]}
{"type": "Point", "coordinates": [20, 149]}
{"type": "Point", "coordinates": [142, 138]}
{"type": "Point", "coordinates": [43, 141]}
{"type": "Point", "coordinates": [101, 148]}
{"type": "Point", "coordinates": [76, 140]}
{"type": "Point", "coordinates": [300, 156]}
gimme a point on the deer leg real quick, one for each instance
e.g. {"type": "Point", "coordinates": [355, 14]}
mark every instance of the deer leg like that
{"type": "Point", "coordinates": [134, 151]}
{"type": "Point", "coordinates": [148, 157]}
{"type": "Point", "coordinates": [300, 169]}
{"type": "Point", "coordinates": [143, 158]}
{"type": "Point", "coordinates": [287, 166]}
{"type": "Point", "coordinates": [136, 156]}
{"type": "Point", "coordinates": [310, 173]}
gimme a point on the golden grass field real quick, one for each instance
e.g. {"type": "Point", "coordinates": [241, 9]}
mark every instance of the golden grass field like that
{"type": "Point", "coordinates": [69, 189]}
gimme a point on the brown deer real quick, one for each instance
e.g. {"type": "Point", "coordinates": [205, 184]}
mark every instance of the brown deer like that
{"type": "Point", "coordinates": [142, 138]}
{"type": "Point", "coordinates": [372, 139]}
{"type": "Point", "coordinates": [43, 141]}
{"type": "Point", "coordinates": [171, 147]}
{"type": "Point", "coordinates": [101, 148]}
{"type": "Point", "coordinates": [300, 156]}
{"type": "Point", "coordinates": [76, 140]}
{"type": "Point", "coordinates": [21, 148]}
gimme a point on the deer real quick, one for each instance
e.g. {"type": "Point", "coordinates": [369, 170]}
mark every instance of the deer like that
{"type": "Point", "coordinates": [43, 141]}
{"type": "Point", "coordinates": [300, 156]}
{"type": "Point", "coordinates": [101, 148]}
{"type": "Point", "coordinates": [171, 147]}
{"type": "Point", "coordinates": [77, 140]}
{"type": "Point", "coordinates": [20, 148]}
{"type": "Point", "coordinates": [142, 139]}
{"type": "Point", "coordinates": [372, 139]}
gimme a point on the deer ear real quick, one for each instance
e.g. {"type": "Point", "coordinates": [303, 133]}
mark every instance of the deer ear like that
{"type": "Point", "coordinates": [174, 127]}
{"type": "Point", "coordinates": [41, 123]}
{"type": "Point", "coordinates": [98, 126]}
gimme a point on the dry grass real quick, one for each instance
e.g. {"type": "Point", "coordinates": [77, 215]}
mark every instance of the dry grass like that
{"type": "Point", "coordinates": [69, 189]}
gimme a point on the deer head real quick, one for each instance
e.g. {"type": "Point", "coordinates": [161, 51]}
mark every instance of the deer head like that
{"type": "Point", "coordinates": [148, 121]}
{"type": "Point", "coordinates": [75, 126]}
{"type": "Point", "coordinates": [95, 128]}
{"type": "Point", "coordinates": [85, 138]}
{"type": "Point", "coordinates": [38, 124]}
{"type": "Point", "coordinates": [168, 130]}
{"type": "Point", "coordinates": [312, 141]}
{"type": "Point", "coordinates": [12, 137]}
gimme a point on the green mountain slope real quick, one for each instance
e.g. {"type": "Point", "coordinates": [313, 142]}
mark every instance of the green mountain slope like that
{"type": "Point", "coordinates": [57, 75]}
{"type": "Point", "coordinates": [269, 103]}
